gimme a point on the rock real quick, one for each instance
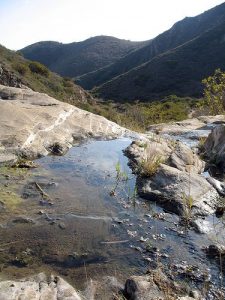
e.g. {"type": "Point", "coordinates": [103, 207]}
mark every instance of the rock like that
{"type": "Point", "coordinates": [184, 159]}
{"type": "Point", "coordinates": [154, 285]}
{"type": "Point", "coordinates": [202, 226]}
{"type": "Point", "coordinates": [215, 146]}
{"type": "Point", "coordinates": [177, 182]}
{"type": "Point", "coordinates": [9, 78]}
{"type": "Point", "coordinates": [171, 188]}
{"type": "Point", "coordinates": [62, 225]}
{"type": "Point", "coordinates": [220, 211]}
{"type": "Point", "coordinates": [108, 288]}
{"type": "Point", "coordinates": [141, 288]}
{"type": "Point", "coordinates": [33, 124]}
{"type": "Point", "coordinates": [195, 294]}
{"type": "Point", "coordinates": [187, 125]}
{"type": "Point", "coordinates": [215, 250]}
{"type": "Point", "coordinates": [38, 287]}
{"type": "Point", "coordinates": [218, 185]}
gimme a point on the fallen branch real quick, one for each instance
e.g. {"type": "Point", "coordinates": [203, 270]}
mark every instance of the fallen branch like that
{"type": "Point", "coordinates": [44, 195]}
{"type": "Point", "coordinates": [115, 242]}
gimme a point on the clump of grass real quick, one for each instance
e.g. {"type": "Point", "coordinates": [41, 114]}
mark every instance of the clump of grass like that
{"type": "Point", "coordinates": [120, 176]}
{"type": "Point", "coordinates": [150, 165]}
{"type": "Point", "coordinates": [201, 144]}
{"type": "Point", "coordinates": [188, 204]}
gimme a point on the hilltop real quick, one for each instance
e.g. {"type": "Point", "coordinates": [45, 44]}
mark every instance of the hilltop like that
{"type": "Point", "coordinates": [79, 58]}
{"type": "Point", "coordinates": [180, 33]}
{"type": "Point", "coordinates": [178, 71]}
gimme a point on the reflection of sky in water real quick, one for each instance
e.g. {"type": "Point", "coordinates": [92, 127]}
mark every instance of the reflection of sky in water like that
{"type": "Point", "coordinates": [100, 157]}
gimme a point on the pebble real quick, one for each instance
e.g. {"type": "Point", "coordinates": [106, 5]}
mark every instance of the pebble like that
{"type": "Point", "coordinates": [62, 225]}
{"type": "Point", "coordinates": [132, 233]}
{"type": "Point", "coordinates": [142, 239]}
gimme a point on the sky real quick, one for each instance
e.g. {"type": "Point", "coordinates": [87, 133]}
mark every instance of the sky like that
{"type": "Point", "coordinates": [24, 22]}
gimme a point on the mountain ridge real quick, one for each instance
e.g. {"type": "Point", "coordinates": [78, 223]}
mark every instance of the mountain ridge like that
{"type": "Point", "coordinates": [165, 74]}
{"type": "Point", "coordinates": [77, 58]}
{"type": "Point", "coordinates": [161, 43]}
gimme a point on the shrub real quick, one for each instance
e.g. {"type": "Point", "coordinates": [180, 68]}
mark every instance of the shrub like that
{"type": "Point", "coordinates": [67, 82]}
{"type": "Point", "coordinates": [214, 92]}
{"type": "Point", "coordinates": [21, 68]}
{"type": "Point", "coordinates": [38, 68]}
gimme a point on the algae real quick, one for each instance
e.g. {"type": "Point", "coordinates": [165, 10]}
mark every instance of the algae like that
{"type": "Point", "coordinates": [9, 199]}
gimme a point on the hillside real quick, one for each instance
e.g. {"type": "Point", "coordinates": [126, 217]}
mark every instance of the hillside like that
{"type": "Point", "coordinates": [17, 71]}
{"type": "Point", "coordinates": [178, 71]}
{"type": "Point", "coordinates": [124, 70]}
{"type": "Point", "coordinates": [79, 58]}
{"type": "Point", "coordinates": [179, 34]}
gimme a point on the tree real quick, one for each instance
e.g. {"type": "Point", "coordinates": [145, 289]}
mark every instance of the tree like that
{"type": "Point", "coordinates": [214, 92]}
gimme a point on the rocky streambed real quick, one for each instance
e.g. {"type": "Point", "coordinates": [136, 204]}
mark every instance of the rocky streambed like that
{"type": "Point", "coordinates": [93, 221]}
{"type": "Point", "coordinates": [74, 218]}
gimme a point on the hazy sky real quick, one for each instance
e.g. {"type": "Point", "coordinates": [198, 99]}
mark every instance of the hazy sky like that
{"type": "Point", "coordinates": [23, 22]}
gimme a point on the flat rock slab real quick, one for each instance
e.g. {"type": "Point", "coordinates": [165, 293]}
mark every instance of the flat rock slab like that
{"type": "Point", "coordinates": [187, 125]}
{"type": "Point", "coordinates": [34, 124]}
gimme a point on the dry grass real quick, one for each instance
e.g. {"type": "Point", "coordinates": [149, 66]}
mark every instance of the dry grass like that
{"type": "Point", "coordinates": [150, 165]}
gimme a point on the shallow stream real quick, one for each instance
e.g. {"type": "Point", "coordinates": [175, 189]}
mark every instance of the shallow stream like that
{"type": "Point", "coordinates": [88, 225]}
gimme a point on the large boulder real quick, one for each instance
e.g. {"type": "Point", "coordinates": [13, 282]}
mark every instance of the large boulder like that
{"type": "Point", "coordinates": [179, 191]}
{"type": "Point", "coordinates": [34, 124]}
{"type": "Point", "coordinates": [171, 174]}
{"type": "Point", "coordinates": [152, 286]}
{"type": "Point", "coordinates": [38, 287]}
{"type": "Point", "coordinates": [215, 146]}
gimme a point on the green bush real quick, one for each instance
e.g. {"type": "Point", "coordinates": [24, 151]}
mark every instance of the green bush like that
{"type": "Point", "coordinates": [38, 68]}
{"type": "Point", "coordinates": [214, 92]}
{"type": "Point", "coordinates": [21, 68]}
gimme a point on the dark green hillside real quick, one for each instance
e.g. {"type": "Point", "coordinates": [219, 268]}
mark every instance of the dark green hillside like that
{"type": "Point", "coordinates": [17, 71]}
{"type": "Point", "coordinates": [178, 71]}
{"type": "Point", "coordinates": [79, 58]}
{"type": "Point", "coordinates": [179, 34]}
